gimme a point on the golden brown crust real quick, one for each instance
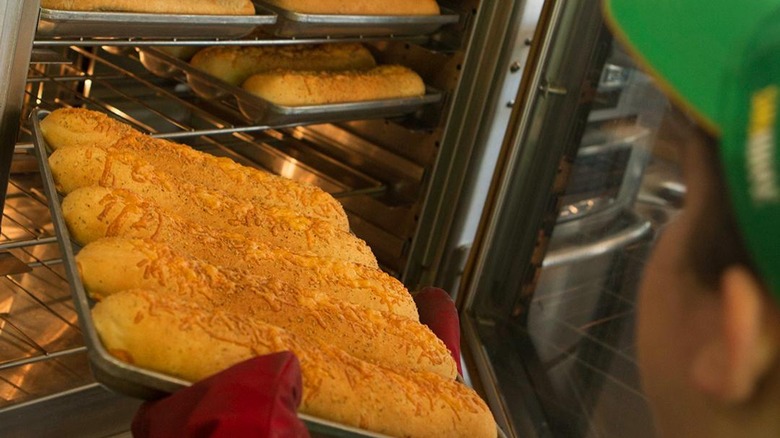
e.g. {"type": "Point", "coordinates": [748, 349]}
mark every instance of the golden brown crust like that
{"type": "Point", "coordinates": [233, 64]}
{"type": "Point", "coordinates": [336, 386]}
{"type": "Point", "coordinates": [77, 167]}
{"type": "Point", "coordinates": [111, 265]}
{"type": "Point", "coordinates": [70, 127]}
{"type": "Point", "coordinates": [199, 7]}
{"type": "Point", "coordinates": [65, 127]}
{"type": "Point", "coordinates": [298, 88]}
{"type": "Point", "coordinates": [95, 212]}
{"type": "Point", "coordinates": [360, 7]}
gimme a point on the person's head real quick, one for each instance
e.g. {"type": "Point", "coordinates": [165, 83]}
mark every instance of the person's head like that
{"type": "Point", "coordinates": [709, 307]}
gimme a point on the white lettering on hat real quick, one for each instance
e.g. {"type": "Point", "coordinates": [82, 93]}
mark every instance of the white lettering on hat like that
{"type": "Point", "coordinates": [761, 146]}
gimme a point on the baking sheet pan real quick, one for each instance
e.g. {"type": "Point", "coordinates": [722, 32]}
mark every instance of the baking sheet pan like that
{"type": "Point", "coordinates": [57, 23]}
{"type": "Point", "coordinates": [109, 371]}
{"type": "Point", "coordinates": [114, 374]}
{"type": "Point", "coordinates": [295, 24]}
{"type": "Point", "coordinates": [263, 112]}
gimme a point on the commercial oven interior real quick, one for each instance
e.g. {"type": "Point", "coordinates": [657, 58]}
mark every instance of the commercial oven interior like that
{"type": "Point", "coordinates": [413, 186]}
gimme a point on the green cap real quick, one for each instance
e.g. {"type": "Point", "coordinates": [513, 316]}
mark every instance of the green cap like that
{"type": "Point", "coordinates": [720, 61]}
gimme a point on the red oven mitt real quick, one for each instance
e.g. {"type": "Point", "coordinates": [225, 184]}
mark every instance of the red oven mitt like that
{"type": "Point", "coordinates": [260, 397]}
{"type": "Point", "coordinates": [438, 312]}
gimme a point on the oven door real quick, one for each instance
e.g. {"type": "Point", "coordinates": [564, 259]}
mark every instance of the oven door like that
{"type": "Point", "coordinates": [547, 298]}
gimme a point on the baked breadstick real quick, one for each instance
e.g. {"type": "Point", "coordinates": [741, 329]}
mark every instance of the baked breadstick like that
{"type": "Point", "coordinates": [66, 127]}
{"type": "Point", "coordinates": [95, 212]}
{"type": "Point", "coordinates": [174, 337]}
{"type": "Point", "coordinates": [360, 7]}
{"type": "Point", "coordinates": [77, 167]}
{"type": "Point", "coordinates": [299, 88]}
{"type": "Point", "coordinates": [111, 265]}
{"type": "Point", "coordinates": [233, 64]}
{"type": "Point", "coordinates": [201, 7]}
{"type": "Point", "coordinates": [80, 166]}
{"type": "Point", "coordinates": [69, 127]}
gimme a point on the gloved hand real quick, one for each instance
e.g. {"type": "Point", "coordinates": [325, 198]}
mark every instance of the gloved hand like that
{"type": "Point", "coordinates": [438, 312]}
{"type": "Point", "coordinates": [260, 396]}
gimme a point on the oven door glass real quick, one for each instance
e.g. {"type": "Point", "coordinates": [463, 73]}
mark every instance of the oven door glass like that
{"type": "Point", "coordinates": [584, 189]}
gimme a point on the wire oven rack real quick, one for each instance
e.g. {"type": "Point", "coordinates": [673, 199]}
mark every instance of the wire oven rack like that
{"type": "Point", "coordinates": [40, 342]}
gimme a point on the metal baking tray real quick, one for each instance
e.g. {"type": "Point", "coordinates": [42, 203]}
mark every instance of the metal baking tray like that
{"type": "Point", "coordinates": [263, 112]}
{"type": "Point", "coordinates": [295, 24]}
{"type": "Point", "coordinates": [109, 371]}
{"type": "Point", "coordinates": [57, 23]}
{"type": "Point", "coordinates": [162, 68]}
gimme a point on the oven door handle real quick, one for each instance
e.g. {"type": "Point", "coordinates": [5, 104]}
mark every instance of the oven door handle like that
{"type": "Point", "coordinates": [612, 243]}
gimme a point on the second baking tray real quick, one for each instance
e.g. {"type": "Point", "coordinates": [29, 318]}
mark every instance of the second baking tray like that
{"type": "Point", "coordinates": [57, 23]}
{"type": "Point", "coordinates": [263, 112]}
{"type": "Point", "coordinates": [296, 24]}
{"type": "Point", "coordinates": [120, 376]}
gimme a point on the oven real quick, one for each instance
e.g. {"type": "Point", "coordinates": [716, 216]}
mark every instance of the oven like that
{"type": "Point", "coordinates": [524, 184]}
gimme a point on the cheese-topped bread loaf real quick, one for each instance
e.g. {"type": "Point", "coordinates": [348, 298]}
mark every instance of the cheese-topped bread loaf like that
{"type": "Point", "coordinates": [94, 212]}
{"type": "Point", "coordinates": [234, 64]}
{"type": "Point", "coordinates": [111, 265]}
{"type": "Point", "coordinates": [77, 167]}
{"type": "Point", "coordinates": [73, 127]}
{"type": "Point", "coordinates": [301, 88]}
{"type": "Point", "coordinates": [173, 337]}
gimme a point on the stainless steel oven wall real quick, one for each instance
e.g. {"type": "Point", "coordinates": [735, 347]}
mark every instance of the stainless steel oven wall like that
{"type": "Point", "coordinates": [488, 73]}
{"type": "Point", "coordinates": [17, 31]}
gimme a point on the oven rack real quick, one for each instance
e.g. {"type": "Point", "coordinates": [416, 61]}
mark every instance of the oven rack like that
{"type": "Point", "coordinates": [248, 41]}
{"type": "Point", "coordinates": [269, 22]}
{"type": "Point", "coordinates": [44, 368]}
{"type": "Point", "coordinates": [41, 346]}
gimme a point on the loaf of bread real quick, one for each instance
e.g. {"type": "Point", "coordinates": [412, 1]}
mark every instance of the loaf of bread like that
{"type": "Point", "coordinates": [111, 265]}
{"type": "Point", "coordinates": [77, 167]}
{"type": "Point", "coordinates": [300, 88]}
{"type": "Point", "coordinates": [69, 127]}
{"type": "Point", "coordinates": [126, 167]}
{"type": "Point", "coordinates": [190, 342]}
{"type": "Point", "coordinates": [194, 7]}
{"type": "Point", "coordinates": [66, 127]}
{"type": "Point", "coordinates": [359, 7]}
{"type": "Point", "coordinates": [95, 212]}
{"type": "Point", "coordinates": [234, 64]}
